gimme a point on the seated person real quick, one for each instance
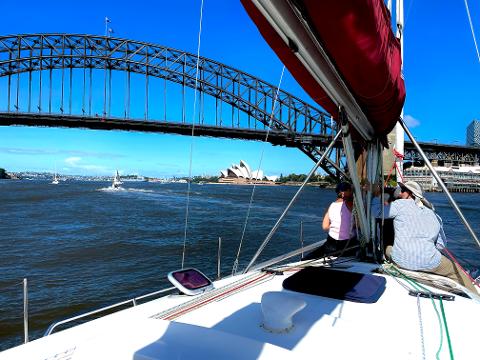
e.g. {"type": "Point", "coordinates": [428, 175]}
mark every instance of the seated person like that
{"type": "Point", "coordinates": [339, 222]}
{"type": "Point", "coordinates": [418, 236]}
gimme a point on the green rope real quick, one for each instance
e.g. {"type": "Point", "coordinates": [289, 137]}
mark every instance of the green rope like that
{"type": "Point", "coordinates": [446, 330]}
{"type": "Point", "coordinates": [417, 286]}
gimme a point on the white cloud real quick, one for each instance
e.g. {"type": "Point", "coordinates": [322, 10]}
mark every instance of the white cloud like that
{"type": "Point", "coordinates": [75, 162]}
{"type": "Point", "coordinates": [72, 161]}
{"type": "Point", "coordinates": [411, 121]}
{"type": "Point", "coordinates": [38, 151]}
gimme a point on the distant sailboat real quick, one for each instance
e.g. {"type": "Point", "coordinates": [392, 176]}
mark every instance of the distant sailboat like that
{"type": "Point", "coordinates": [116, 181]}
{"type": "Point", "coordinates": [55, 178]}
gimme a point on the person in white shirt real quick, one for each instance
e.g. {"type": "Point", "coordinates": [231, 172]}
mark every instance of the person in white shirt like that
{"type": "Point", "coordinates": [419, 235]}
{"type": "Point", "coordinates": [339, 223]}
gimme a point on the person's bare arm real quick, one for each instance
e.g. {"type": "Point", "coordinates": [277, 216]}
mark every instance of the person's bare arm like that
{"type": "Point", "coordinates": [326, 221]}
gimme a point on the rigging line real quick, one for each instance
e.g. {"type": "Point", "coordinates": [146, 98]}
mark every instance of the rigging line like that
{"type": "Point", "coordinates": [470, 265]}
{"type": "Point", "coordinates": [454, 259]}
{"type": "Point", "coordinates": [277, 224]}
{"type": "Point", "coordinates": [439, 181]}
{"type": "Point", "coordinates": [407, 16]}
{"type": "Point", "coordinates": [471, 28]}
{"type": "Point", "coordinates": [193, 132]}
{"type": "Point", "coordinates": [235, 264]}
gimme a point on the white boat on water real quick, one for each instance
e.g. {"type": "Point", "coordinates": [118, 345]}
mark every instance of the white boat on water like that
{"type": "Point", "coordinates": [116, 183]}
{"type": "Point", "coordinates": [327, 308]}
{"type": "Point", "coordinates": [55, 179]}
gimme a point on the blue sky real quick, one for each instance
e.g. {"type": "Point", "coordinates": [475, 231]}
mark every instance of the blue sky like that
{"type": "Point", "coordinates": [442, 74]}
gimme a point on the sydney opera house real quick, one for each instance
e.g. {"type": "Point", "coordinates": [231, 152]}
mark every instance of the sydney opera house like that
{"type": "Point", "coordinates": [241, 174]}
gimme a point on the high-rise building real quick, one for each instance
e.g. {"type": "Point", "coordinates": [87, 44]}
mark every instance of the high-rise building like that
{"type": "Point", "coordinates": [473, 133]}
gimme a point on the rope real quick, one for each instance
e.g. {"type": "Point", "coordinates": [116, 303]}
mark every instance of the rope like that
{"type": "Point", "coordinates": [422, 340]}
{"type": "Point", "coordinates": [450, 255]}
{"type": "Point", "coordinates": [191, 143]}
{"type": "Point", "coordinates": [235, 263]}
{"type": "Point", "coordinates": [328, 260]}
{"type": "Point", "coordinates": [398, 157]}
{"type": "Point", "coordinates": [417, 286]}
{"type": "Point", "coordinates": [214, 295]}
{"type": "Point", "coordinates": [471, 28]}
{"type": "Point", "coordinates": [220, 296]}
{"type": "Point", "coordinates": [450, 350]}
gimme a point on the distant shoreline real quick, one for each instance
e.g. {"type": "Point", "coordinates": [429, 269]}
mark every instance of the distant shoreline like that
{"type": "Point", "coordinates": [265, 184]}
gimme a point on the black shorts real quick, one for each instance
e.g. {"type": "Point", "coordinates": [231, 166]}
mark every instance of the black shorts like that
{"type": "Point", "coordinates": [335, 248]}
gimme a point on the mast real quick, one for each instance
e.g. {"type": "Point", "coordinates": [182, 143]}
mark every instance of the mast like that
{"type": "Point", "coordinates": [399, 132]}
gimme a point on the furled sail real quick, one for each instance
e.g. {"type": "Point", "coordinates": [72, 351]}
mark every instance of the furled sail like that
{"type": "Point", "coordinates": [342, 53]}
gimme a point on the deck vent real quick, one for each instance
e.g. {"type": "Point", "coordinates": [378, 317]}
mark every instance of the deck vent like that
{"type": "Point", "coordinates": [278, 309]}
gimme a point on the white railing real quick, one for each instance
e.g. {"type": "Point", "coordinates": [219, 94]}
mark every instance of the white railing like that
{"type": "Point", "coordinates": [25, 310]}
{"type": "Point", "coordinates": [109, 307]}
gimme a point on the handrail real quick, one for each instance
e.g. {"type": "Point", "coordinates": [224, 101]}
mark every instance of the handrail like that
{"type": "Point", "coordinates": [133, 301]}
{"type": "Point", "coordinates": [219, 255]}
{"type": "Point", "coordinates": [301, 236]}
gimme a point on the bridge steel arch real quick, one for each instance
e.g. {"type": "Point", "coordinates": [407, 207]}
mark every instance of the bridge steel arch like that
{"type": "Point", "coordinates": [291, 122]}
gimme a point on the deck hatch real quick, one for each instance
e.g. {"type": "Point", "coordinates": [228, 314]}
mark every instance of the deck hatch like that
{"type": "Point", "coordinates": [190, 281]}
{"type": "Point", "coordinates": [337, 284]}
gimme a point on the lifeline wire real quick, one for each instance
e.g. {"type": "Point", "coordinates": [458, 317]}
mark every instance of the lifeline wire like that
{"type": "Point", "coordinates": [471, 28]}
{"type": "Point", "coordinates": [193, 131]}
{"type": "Point", "coordinates": [235, 264]}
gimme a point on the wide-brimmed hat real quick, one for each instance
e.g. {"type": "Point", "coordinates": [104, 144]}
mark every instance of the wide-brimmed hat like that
{"type": "Point", "coordinates": [413, 187]}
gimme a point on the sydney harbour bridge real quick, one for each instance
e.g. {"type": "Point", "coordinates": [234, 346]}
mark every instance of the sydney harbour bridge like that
{"type": "Point", "coordinates": [98, 82]}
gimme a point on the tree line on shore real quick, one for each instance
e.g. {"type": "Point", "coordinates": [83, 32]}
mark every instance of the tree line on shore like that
{"type": "Point", "coordinates": [4, 174]}
{"type": "Point", "coordinates": [291, 178]}
{"type": "Point", "coordinates": [301, 178]}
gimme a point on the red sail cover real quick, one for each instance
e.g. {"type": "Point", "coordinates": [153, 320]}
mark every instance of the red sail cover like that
{"type": "Point", "coordinates": [357, 36]}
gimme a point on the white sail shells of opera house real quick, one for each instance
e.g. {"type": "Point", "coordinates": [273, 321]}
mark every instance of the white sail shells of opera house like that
{"type": "Point", "coordinates": [241, 173]}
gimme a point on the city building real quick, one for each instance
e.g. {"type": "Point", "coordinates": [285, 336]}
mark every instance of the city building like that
{"type": "Point", "coordinates": [473, 133]}
{"type": "Point", "coordinates": [456, 178]}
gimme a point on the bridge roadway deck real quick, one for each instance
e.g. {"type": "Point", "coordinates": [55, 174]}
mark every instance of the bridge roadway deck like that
{"type": "Point", "coordinates": [275, 137]}
{"type": "Point", "coordinates": [435, 151]}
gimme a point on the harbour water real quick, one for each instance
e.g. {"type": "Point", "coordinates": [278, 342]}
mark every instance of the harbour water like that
{"type": "Point", "coordinates": [82, 246]}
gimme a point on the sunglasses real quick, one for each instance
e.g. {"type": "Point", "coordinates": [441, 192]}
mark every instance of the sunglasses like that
{"type": "Point", "coordinates": [402, 189]}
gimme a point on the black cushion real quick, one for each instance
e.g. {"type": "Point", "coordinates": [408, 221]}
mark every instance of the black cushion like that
{"type": "Point", "coordinates": [337, 284]}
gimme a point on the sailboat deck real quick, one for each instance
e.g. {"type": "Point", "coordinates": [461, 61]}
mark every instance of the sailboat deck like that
{"type": "Point", "coordinates": [226, 323]}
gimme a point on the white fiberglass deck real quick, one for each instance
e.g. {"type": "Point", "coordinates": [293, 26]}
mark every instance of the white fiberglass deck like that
{"type": "Point", "coordinates": [225, 324]}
